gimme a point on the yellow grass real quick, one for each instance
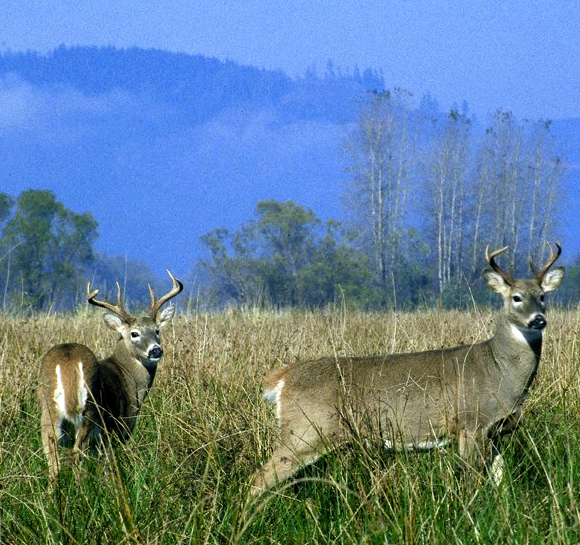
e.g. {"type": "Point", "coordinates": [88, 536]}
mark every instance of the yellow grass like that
{"type": "Point", "coordinates": [205, 423]}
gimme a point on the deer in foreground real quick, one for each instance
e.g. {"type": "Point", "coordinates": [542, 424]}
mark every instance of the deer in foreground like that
{"type": "Point", "coordinates": [424, 400]}
{"type": "Point", "coordinates": [81, 398]}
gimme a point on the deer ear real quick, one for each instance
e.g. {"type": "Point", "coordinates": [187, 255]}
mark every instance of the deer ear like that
{"type": "Point", "coordinates": [552, 279]}
{"type": "Point", "coordinates": [495, 281]}
{"type": "Point", "coordinates": [114, 322]}
{"type": "Point", "coordinates": [165, 316]}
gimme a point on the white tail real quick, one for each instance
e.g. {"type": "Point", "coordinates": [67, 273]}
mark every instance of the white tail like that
{"type": "Point", "coordinates": [420, 400]}
{"type": "Point", "coordinates": [80, 397]}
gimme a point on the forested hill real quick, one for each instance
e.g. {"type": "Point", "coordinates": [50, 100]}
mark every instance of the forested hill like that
{"type": "Point", "coordinates": [199, 86]}
{"type": "Point", "coordinates": [162, 147]}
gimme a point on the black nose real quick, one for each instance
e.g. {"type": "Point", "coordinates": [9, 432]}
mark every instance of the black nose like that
{"type": "Point", "coordinates": [539, 322]}
{"type": "Point", "coordinates": [155, 353]}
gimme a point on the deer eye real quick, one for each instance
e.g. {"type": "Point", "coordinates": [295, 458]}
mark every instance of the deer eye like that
{"type": "Point", "coordinates": [157, 330]}
{"type": "Point", "coordinates": [517, 298]}
{"type": "Point", "coordinates": [542, 297]}
{"type": "Point", "coordinates": [135, 334]}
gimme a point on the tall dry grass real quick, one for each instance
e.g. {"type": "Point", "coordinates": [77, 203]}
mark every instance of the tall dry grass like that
{"type": "Point", "coordinates": [204, 429]}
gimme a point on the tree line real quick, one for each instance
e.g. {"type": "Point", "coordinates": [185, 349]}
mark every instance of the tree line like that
{"type": "Point", "coordinates": [423, 202]}
{"type": "Point", "coordinates": [421, 208]}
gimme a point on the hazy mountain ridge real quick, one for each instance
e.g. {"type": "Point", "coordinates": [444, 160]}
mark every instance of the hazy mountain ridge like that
{"type": "Point", "coordinates": [163, 147]}
{"type": "Point", "coordinates": [202, 86]}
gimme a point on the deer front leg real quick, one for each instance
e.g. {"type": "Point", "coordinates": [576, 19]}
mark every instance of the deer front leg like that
{"type": "Point", "coordinates": [283, 464]}
{"type": "Point", "coordinates": [477, 452]}
{"type": "Point", "coordinates": [496, 469]}
{"type": "Point", "coordinates": [471, 447]}
{"type": "Point", "coordinates": [480, 453]}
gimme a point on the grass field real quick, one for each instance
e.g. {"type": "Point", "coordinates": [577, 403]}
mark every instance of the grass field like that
{"type": "Point", "coordinates": [183, 477]}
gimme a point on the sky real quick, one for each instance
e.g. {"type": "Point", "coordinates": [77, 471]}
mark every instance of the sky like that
{"type": "Point", "coordinates": [517, 55]}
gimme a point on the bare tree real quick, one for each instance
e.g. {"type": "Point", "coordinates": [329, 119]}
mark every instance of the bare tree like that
{"type": "Point", "coordinates": [379, 154]}
{"type": "Point", "coordinates": [447, 185]}
{"type": "Point", "coordinates": [545, 174]}
{"type": "Point", "coordinates": [516, 187]}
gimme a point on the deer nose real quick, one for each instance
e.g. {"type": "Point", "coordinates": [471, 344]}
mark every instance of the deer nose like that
{"type": "Point", "coordinates": [539, 322]}
{"type": "Point", "coordinates": [155, 352]}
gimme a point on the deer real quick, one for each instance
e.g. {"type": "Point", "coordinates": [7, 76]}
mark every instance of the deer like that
{"type": "Point", "coordinates": [83, 400]}
{"type": "Point", "coordinates": [467, 395]}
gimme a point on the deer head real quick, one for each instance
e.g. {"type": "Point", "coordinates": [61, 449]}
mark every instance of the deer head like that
{"type": "Point", "coordinates": [140, 335]}
{"type": "Point", "coordinates": [524, 298]}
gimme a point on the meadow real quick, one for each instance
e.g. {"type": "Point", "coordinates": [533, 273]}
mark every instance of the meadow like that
{"type": "Point", "coordinates": [183, 477]}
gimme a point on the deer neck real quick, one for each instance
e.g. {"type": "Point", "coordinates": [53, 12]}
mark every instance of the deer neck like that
{"type": "Point", "coordinates": [138, 377]}
{"type": "Point", "coordinates": [517, 352]}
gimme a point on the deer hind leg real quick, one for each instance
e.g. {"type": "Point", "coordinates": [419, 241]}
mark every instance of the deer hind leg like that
{"type": "Point", "coordinates": [282, 465]}
{"type": "Point", "coordinates": [50, 432]}
{"type": "Point", "coordinates": [83, 433]}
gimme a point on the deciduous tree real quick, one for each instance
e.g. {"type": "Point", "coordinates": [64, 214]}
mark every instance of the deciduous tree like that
{"type": "Point", "coordinates": [49, 247]}
{"type": "Point", "coordinates": [379, 149]}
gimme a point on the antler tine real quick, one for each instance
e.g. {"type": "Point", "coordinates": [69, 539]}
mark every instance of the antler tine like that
{"type": "Point", "coordinates": [156, 305]}
{"type": "Point", "coordinates": [490, 258]}
{"type": "Point", "coordinates": [117, 309]}
{"type": "Point", "coordinates": [152, 294]}
{"type": "Point", "coordinates": [91, 294]}
{"type": "Point", "coordinates": [539, 274]}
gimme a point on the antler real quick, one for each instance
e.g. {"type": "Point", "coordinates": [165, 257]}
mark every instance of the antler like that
{"type": "Point", "coordinates": [539, 274]}
{"type": "Point", "coordinates": [117, 309]}
{"type": "Point", "coordinates": [508, 277]}
{"type": "Point", "coordinates": [156, 305]}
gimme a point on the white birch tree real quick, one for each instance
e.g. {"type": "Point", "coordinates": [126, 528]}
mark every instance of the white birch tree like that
{"type": "Point", "coordinates": [447, 178]}
{"type": "Point", "coordinates": [379, 153]}
{"type": "Point", "coordinates": [517, 186]}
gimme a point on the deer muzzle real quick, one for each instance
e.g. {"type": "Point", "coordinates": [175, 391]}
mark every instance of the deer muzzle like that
{"type": "Point", "coordinates": [538, 322]}
{"type": "Point", "coordinates": [155, 353]}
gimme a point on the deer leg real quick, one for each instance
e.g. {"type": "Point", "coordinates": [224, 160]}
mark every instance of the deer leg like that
{"type": "Point", "coordinates": [50, 432]}
{"type": "Point", "coordinates": [283, 464]}
{"type": "Point", "coordinates": [302, 443]}
{"type": "Point", "coordinates": [496, 469]}
{"type": "Point", "coordinates": [82, 436]}
{"type": "Point", "coordinates": [471, 447]}
{"type": "Point", "coordinates": [495, 464]}
{"type": "Point", "coordinates": [478, 452]}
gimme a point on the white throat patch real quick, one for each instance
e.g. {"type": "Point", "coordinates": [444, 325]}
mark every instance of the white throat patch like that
{"type": "Point", "coordinates": [518, 334]}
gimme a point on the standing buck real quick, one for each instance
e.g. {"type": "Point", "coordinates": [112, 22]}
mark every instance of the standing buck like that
{"type": "Point", "coordinates": [82, 398]}
{"type": "Point", "coordinates": [416, 401]}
